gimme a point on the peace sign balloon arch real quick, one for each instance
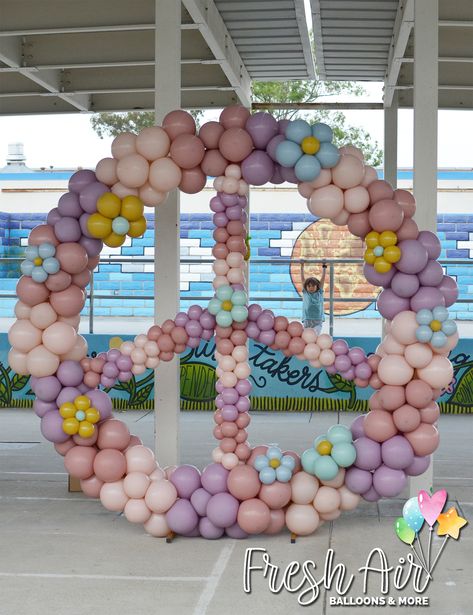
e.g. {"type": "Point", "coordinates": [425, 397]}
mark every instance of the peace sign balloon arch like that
{"type": "Point", "coordinates": [245, 490]}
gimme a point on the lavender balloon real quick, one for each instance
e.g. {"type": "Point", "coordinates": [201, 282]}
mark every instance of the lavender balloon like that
{"type": "Point", "coordinates": [235, 531]}
{"type": "Point", "coordinates": [53, 216]}
{"type": "Point", "coordinates": [70, 373]}
{"type": "Point", "coordinates": [41, 407]}
{"type": "Point", "coordinates": [378, 279]}
{"type": "Point", "coordinates": [356, 426]}
{"type": "Point", "coordinates": [181, 517]}
{"type": "Point", "coordinates": [432, 274]}
{"type": "Point", "coordinates": [67, 229]}
{"type": "Point", "coordinates": [405, 284]}
{"type": "Point", "coordinates": [414, 256]}
{"type": "Point", "coordinates": [67, 395]}
{"type": "Point", "coordinates": [80, 179]}
{"type": "Point", "coordinates": [222, 510]}
{"type": "Point", "coordinates": [199, 500]}
{"type": "Point", "coordinates": [431, 243]}
{"type": "Point", "coordinates": [357, 480]}
{"type": "Point", "coordinates": [69, 205]}
{"type": "Point", "coordinates": [214, 478]}
{"type": "Point", "coordinates": [389, 482]}
{"type": "Point", "coordinates": [47, 388]}
{"type": "Point", "coordinates": [262, 128]}
{"type": "Point", "coordinates": [418, 466]}
{"type": "Point", "coordinates": [90, 194]}
{"type": "Point", "coordinates": [368, 453]}
{"type": "Point", "coordinates": [257, 168]}
{"type": "Point", "coordinates": [208, 530]}
{"type": "Point", "coordinates": [427, 297]}
{"type": "Point", "coordinates": [371, 495]}
{"type": "Point", "coordinates": [449, 289]}
{"type": "Point", "coordinates": [186, 479]}
{"type": "Point", "coordinates": [389, 304]}
{"type": "Point", "coordinates": [397, 453]}
{"type": "Point", "coordinates": [51, 427]}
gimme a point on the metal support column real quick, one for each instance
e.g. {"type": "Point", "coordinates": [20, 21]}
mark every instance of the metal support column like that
{"type": "Point", "coordinates": [167, 252]}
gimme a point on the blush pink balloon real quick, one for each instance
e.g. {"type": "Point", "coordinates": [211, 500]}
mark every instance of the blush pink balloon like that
{"type": "Point", "coordinates": [187, 151]}
{"type": "Point", "coordinates": [356, 199]}
{"type": "Point", "coordinates": [359, 225]}
{"type": "Point", "coordinates": [192, 180]}
{"type": "Point", "coordinates": [406, 418]}
{"type": "Point", "coordinates": [234, 116]}
{"type": "Point", "coordinates": [235, 144]}
{"type": "Point", "coordinates": [379, 425]}
{"type": "Point", "coordinates": [424, 440]}
{"type": "Point", "coordinates": [385, 215]}
{"type": "Point", "coordinates": [79, 461]}
{"type": "Point", "coordinates": [179, 122]}
{"type": "Point", "coordinates": [349, 172]}
{"type": "Point", "coordinates": [406, 200]}
{"type": "Point", "coordinates": [164, 175]}
{"type": "Point", "coordinates": [326, 202]}
{"type": "Point", "coordinates": [153, 142]}
{"type": "Point", "coordinates": [109, 465]}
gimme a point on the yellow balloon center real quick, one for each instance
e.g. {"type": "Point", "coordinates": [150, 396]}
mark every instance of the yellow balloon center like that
{"type": "Point", "coordinates": [227, 305]}
{"type": "Point", "coordinates": [274, 463]}
{"type": "Point", "coordinates": [435, 325]}
{"type": "Point", "coordinates": [38, 261]}
{"type": "Point", "coordinates": [310, 145]}
{"type": "Point", "coordinates": [324, 447]}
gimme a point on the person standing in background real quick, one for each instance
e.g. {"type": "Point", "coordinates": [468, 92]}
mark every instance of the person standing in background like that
{"type": "Point", "coordinates": [313, 300]}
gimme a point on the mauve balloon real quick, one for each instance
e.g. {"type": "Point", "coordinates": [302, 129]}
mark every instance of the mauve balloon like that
{"type": "Point", "coordinates": [427, 297]}
{"type": "Point", "coordinates": [53, 216]}
{"type": "Point", "coordinates": [414, 256]}
{"type": "Point", "coordinates": [68, 205]}
{"type": "Point", "coordinates": [80, 179]}
{"type": "Point", "coordinates": [368, 453]}
{"type": "Point", "coordinates": [431, 243]}
{"type": "Point", "coordinates": [378, 279]}
{"type": "Point", "coordinates": [405, 284]}
{"type": "Point", "coordinates": [449, 289]}
{"type": "Point", "coordinates": [389, 304]}
{"type": "Point", "coordinates": [356, 427]}
{"type": "Point", "coordinates": [432, 274]}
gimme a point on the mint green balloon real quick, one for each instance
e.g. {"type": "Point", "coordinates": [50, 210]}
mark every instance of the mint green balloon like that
{"type": "Point", "coordinates": [120, 225]}
{"type": "Point", "coordinates": [319, 439]}
{"type": "Point", "coordinates": [308, 459]}
{"type": "Point", "coordinates": [239, 297]}
{"type": "Point", "coordinates": [344, 454]}
{"type": "Point", "coordinates": [224, 319]}
{"type": "Point", "coordinates": [325, 468]}
{"type": "Point", "coordinates": [339, 433]}
{"type": "Point", "coordinates": [224, 293]}
{"type": "Point", "coordinates": [239, 313]}
{"type": "Point", "coordinates": [214, 306]}
{"type": "Point", "coordinates": [403, 531]}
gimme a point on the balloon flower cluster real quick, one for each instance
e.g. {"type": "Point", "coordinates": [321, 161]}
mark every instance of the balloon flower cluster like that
{"type": "Point", "coordinates": [246, 489]}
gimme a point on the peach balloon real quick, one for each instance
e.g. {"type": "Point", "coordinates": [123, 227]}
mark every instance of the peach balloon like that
{"type": "Point", "coordinates": [438, 373]}
{"type": "Point", "coordinates": [106, 171]}
{"type": "Point", "coordinates": [431, 413]}
{"type": "Point", "coordinates": [418, 355]}
{"type": "Point", "coordinates": [123, 145]}
{"type": "Point", "coordinates": [351, 150]}
{"type": "Point", "coordinates": [302, 519]}
{"type": "Point", "coordinates": [41, 362]}
{"type": "Point", "coordinates": [243, 482]}
{"type": "Point", "coordinates": [342, 218]}
{"type": "Point", "coordinates": [277, 521]}
{"type": "Point", "coordinates": [157, 526]}
{"type": "Point", "coordinates": [18, 361]}
{"type": "Point", "coordinates": [277, 495]}
{"type": "Point", "coordinates": [356, 199]}
{"type": "Point", "coordinates": [122, 191]}
{"type": "Point", "coordinates": [160, 496]}
{"type": "Point", "coordinates": [136, 484]}
{"type": "Point", "coordinates": [229, 461]}
{"type": "Point", "coordinates": [136, 511]}
{"type": "Point", "coordinates": [164, 175]}
{"type": "Point", "coordinates": [78, 350]}
{"type": "Point", "coordinates": [140, 459]}
{"type": "Point", "coordinates": [392, 346]}
{"type": "Point", "coordinates": [312, 351]}
{"type": "Point", "coordinates": [379, 425]}
{"type": "Point", "coordinates": [369, 177]}
{"type": "Point", "coordinates": [24, 336]}
{"type": "Point", "coordinates": [23, 311]}
{"type": "Point", "coordinates": [348, 499]}
{"type": "Point", "coordinates": [406, 418]}
{"type": "Point", "coordinates": [452, 341]}
{"type": "Point", "coordinates": [150, 196]}
{"type": "Point", "coordinates": [113, 496]}
{"type": "Point", "coordinates": [326, 202]}
{"type": "Point", "coordinates": [308, 335]}
{"type": "Point", "coordinates": [304, 488]}
{"type": "Point", "coordinates": [424, 440]}
{"type": "Point", "coordinates": [327, 357]}
{"type": "Point", "coordinates": [337, 481]}
{"type": "Point", "coordinates": [404, 326]}
{"type": "Point", "coordinates": [327, 499]}
{"type": "Point", "coordinates": [153, 142]}
{"type": "Point", "coordinates": [349, 172]}
{"type": "Point", "coordinates": [394, 369]}
{"type": "Point", "coordinates": [59, 337]}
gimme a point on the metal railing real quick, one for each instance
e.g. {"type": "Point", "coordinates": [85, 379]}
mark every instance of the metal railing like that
{"type": "Point", "coordinates": [331, 263]}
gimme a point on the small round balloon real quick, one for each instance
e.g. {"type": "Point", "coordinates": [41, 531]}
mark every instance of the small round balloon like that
{"type": "Point", "coordinates": [403, 531]}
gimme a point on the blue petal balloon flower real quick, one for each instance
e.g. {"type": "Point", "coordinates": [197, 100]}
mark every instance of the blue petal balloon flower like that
{"type": "Point", "coordinates": [330, 452]}
{"type": "Point", "coordinates": [274, 466]}
{"type": "Point", "coordinates": [228, 306]}
{"type": "Point", "coordinates": [412, 515]}
{"type": "Point", "coordinates": [435, 326]}
{"type": "Point", "coordinates": [307, 149]}
{"type": "Point", "coordinates": [40, 262]}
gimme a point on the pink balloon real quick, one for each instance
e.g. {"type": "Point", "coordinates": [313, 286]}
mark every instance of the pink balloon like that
{"type": "Point", "coordinates": [391, 397]}
{"type": "Point", "coordinates": [192, 180]}
{"type": "Point", "coordinates": [424, 440]}
{"type": "Point", "coordinates": [235, 144]}
{"type": "Point", "coordinates": [277, 521]}
{"type": "Point", "coordinates": [68, 302]}
{"type": "Point", "coordinates": [406, 418]}
{"type": "Point", "coordinates": [210, 133]}
{"type": "Point", "coordinates": [379, 190]}
{"type": "Point", "coordinates": [243, 482]}
{"type": "Point", "coordinates": [44, 233]}
{"type": "Point", "coordinates": [379, 425]}
{"type": "Point", "coordinates": [359, 225]}
{"type": "Point", "coordinates": [418, 393]}
{"type": "Point", "coordinates": [179, 122]}
{"type": "Point", "coordinates": [31, 293]}
{"type": "Point", "coordinates": [234, 116]}
{"type": "Point", "coordinates": [79, 461]}
{"type": "Point", "coordinates": [407, 230]}
{"type": "Point", "coordinates": [113, 433]}
{"type": "Point", "coordinates": [187, 151]}
{"type": "Point", "coordinates": [430, 414]}
{"type": "Point", "coordinates": [91, 486]}
{"type": "Point", "coordinates": [109, 465]}
{"type": "Point", "coordinates": [253, 516]}
{"type": "Point", "coordinates": [385, 215]}
{"type": "Point", "coordinates": [72, 257]}
{"type": "Point", "coordinates": [406, 200]}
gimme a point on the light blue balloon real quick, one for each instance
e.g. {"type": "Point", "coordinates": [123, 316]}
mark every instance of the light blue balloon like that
{"type": "Point", "coordinates": [308, 459]}
{"type": "Point", "coordinates": [274, 452]}
{"type": "Point", "coordinates": [239, 313]}
{"type": "Point", "coordinates": [449, 327]}
{"type": "Point", "coordinates": [51, 265]}
{"type": "Point", "coordinates": [322, 132]}
{"type": "Point", "coordinates": [424, 334]}
{"type": "Point", "coordinates": [214, 306]}
{"type": "Point", "coordinates": [239, 297]}
{"type": "Point", "coordinates": [412, 515]}
{"type": "Point", "coordinates": [344, 454]}
{"type": "Point", "coordinates": [378, 251]}
{"type": "Point", "coordinates": [297, 130]}
{"type": "Point", "coordinates": [438, 339]}
{"type": "Point", "coordinates": [120, 225]}
{"type": "Point", "coordinates": [325, 468]}
{"type": "Point", "coordinates": [424, 316]}
{"type": "Point", "coordinates": [224, 319]}
{"type": "Point", "coordinates": [318, 440]}
{"type": "Point", "coordinates": [339, 433]}
{"type": "Point", "coordinates": [224, 293]}
{"type": "Point", "coordinates": [288, 153]}
{"type": "Point", "coordinates": [440, 313]}
{"type": "Point", "coordinates": [27, 267]}
{"type": "Point", "coordinates": [39, 275]}
{"type": "Point", "coordinates": [260, 462]}
{"type": "Point", "coordinates": [267, 476]}
{"type": "Point", "coordinates": [46, 250]}
{"type": "Point", "coordinates": [31, 252]}
{"type": "Point", "coordinates": [328, 155]}
{"type": "Point", "coordinates": [80, 415]}
{"type": "Point", "coordinates": [289, 462]}
{"type": "Point", "coordinates": [307, 168]}
{"type": "Point", "coordinates": [283, 474]}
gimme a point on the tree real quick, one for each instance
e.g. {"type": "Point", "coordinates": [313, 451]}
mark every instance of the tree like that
{"type": "Point", "coordinates": [112, 124]}
{"type": "Point", "coordinates": [267, 92]}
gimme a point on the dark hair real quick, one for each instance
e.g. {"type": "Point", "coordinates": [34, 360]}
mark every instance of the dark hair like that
{"type": "Point", "coordinates": [314, 281]}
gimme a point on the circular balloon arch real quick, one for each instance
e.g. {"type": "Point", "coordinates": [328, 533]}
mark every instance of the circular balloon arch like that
{"type": "Point", "coordinates": [245, 489]}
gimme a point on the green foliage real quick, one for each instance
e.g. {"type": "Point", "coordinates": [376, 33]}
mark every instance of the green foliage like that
{"type": "Point", "coordinates": [267, 92]}
{"type": "Point", "coordinates": [112, 124]}
{"type": "Point", "coordinates": [10, 382]}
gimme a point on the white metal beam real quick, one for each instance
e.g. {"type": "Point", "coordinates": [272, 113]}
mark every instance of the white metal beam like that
{"type": "Point", "coordinates": [166, 234]}
{"type": "Point", "coordinates": [401, 32]}
{"type": "Point", "coordinates": [213, 29]}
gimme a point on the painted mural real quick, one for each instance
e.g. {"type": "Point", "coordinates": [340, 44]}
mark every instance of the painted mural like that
{"type": "Point", "coordinates": [279, 383]}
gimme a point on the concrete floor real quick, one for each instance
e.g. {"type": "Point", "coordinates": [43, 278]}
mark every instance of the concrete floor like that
{"type": "Point", "coordinates": [63, 553]}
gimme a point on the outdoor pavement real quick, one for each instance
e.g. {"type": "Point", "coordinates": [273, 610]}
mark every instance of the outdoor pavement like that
{"type": "Point", "coordinates": [62, 553]}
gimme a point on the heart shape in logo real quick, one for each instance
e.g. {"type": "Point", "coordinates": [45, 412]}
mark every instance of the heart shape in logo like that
{"type": "Point", "coordinates": [431, 506]}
